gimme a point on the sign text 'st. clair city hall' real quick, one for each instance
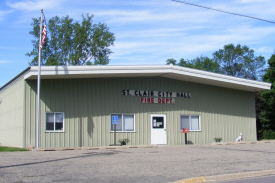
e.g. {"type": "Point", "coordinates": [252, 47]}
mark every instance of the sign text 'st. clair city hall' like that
{"type": "Point", "coordinates": [156, 97]}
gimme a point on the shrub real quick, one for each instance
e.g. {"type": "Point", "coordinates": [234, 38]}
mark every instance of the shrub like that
{"type": "Point", "coordinates": [268, 134]}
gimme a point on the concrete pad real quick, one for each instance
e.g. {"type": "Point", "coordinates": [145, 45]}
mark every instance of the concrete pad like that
{"type": "Point", "coordinates": [238, 176]}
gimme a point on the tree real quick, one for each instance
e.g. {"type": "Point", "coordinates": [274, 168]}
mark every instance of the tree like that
{"type": "Point", "coordinates": [72, 43]}
{"type": "Point", "coordinates": [171, 61]}
{"type": "Point", "coordinates": [267, 111]}
{"type": "Point", "coordinates": [239, 61]}
{"type": "Point", "coordinates": [201, 63]}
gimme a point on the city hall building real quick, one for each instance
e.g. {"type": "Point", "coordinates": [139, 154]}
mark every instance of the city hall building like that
{"type": "Point", "coordinates": [81, 105]}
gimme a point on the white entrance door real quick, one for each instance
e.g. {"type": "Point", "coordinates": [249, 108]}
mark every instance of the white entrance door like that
{"type": "Point", "coordinates": [158, 129]}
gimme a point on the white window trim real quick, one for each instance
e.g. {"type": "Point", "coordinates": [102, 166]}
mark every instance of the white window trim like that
{"type": "Point", "coordinates": [190, 121]}
{"type": "Point", "coordinates": [122, 124]}
{"type": "Point", "coordinates": [55, 131]}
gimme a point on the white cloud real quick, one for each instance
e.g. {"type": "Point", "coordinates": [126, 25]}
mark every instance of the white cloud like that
{"type": "Point", "coordinates": [264, 49]}
{"type": "Point", "coordinates": [3, 14]}
{"type": "Point", "coordinates": [122, 13]}
{"type": "Point", "coordinates": [35, 5]}
{"type": "Point", "coordinates": [145, 16]}
{"type": "Point", "coordinates": [160, 33]}
{"type": "Point", "coordinates": [251, 1]}
{"type": "Point", "coordinates": [158, 29]}
{"type": "Point", "coordinates": [158, 45]}
{"type": "Point", "coordinates": [262, 9]}
{"type": "Point", "coordinates": [3, 61]}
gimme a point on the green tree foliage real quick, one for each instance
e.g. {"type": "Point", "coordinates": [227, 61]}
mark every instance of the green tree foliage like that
{"type": "Point", "coordinates": [201, 63]}
{"type": "Point", "coordinates": [171, 61]}
{"type": "Point", "coordinates": [239, 61]}
{"type": "Point", "coordinates": [232, 60]}
{"type": "Point", "coordinates": [72, 43]}
{"type": "Point", "coordinates": [267, 110]}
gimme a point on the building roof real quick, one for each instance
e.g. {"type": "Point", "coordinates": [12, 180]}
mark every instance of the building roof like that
{"type": "Point", "coordinates": [165, 71]}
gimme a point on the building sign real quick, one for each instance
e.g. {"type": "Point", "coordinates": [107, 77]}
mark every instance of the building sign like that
{"type": "Point", "coordinates": [156, 97]}
{"type": "Point", "coordinates": [115, 120]}
{"type": "Point", "coordinates": [163, 94]}
{"type": "Point", "coordinates": [149, 100]}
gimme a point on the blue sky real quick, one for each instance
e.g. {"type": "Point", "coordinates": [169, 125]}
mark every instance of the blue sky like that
{"type": "Point", "coordinates": [147, 31]}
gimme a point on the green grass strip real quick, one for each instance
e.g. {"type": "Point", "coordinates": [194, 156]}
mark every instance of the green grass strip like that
{"type": "Point", "coordinates": [11, 149]}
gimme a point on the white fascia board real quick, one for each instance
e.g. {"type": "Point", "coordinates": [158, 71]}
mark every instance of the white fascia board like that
{"type": "Point", "coordinates": [222, 78]}
{"type": "Point", "coordinates": [157, 70]}
{"type": "Point", "coordinates": [94, 70]}
{"type": "Point", "coordinates": [98, 69]}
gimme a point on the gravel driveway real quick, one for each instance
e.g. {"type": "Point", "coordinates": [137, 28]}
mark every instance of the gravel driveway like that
{"type": "Point", "coordinates": [161, 164]}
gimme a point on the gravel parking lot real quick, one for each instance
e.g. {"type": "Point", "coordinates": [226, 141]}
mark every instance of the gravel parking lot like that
{"type": "Point", "coordinates": [161, 164]}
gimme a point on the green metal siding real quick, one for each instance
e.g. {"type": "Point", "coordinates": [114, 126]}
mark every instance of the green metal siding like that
{"type": "Point", "coordinates": [88, 103]}
{"type": "Point", "coordinates": [11, 115]}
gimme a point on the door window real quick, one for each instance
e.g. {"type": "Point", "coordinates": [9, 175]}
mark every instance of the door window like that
{"type": "Point", "coordinates": [158, 122]}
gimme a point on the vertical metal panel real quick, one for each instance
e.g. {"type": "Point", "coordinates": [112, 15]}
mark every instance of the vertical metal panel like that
{"type": "Point", "coordinates": [88, 103]}
{"type": "Point", "coordinates": [12, 115]}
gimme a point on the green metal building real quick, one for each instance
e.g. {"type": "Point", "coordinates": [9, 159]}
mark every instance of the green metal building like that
{"type": "Point", "coordinates": [79, 106]}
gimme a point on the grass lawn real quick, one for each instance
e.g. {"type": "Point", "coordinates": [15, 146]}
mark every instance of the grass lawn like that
{"type": "Point", "coordinates": [11, 149]}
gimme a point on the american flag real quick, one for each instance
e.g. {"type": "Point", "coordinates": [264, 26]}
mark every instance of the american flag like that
{"type": "Point", "coordinates": [44, 32]}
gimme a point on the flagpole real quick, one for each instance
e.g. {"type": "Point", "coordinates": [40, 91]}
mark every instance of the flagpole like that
{"type": "Point", "coordinates": [38, 85]}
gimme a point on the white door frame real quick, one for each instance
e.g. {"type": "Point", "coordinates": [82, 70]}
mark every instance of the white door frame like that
{"type": "Point", "coordinates": [158, 135]}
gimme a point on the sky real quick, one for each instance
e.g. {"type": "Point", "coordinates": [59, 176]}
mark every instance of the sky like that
{"type": "Point", "coordinates": [148, 32]}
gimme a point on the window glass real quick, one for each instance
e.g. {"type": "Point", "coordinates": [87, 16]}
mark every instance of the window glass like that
{"type": "Point", "coordinates": [58, 126]}
{"type": "Point", "coordinates": [158, 122]}
{"type": "Point", "coordinates": [58, 121]}
{"type": "Point", "coordinates": [184, 122]}
{"type": "Point", "coordinates": [59, 117]}
{"type": "Point", "coordinates": [49, 121]}
{"type": "Point", "coordinates": [50, 117]}
{"type": "Point", "coordinates": [54, 121]}
{"type": "Point", "coordinates": [128, 122]}
{"type": "Point", "coordinates": [194, 122]}
{"type": "Point", "coordinates": [119, 124]}
{"type": "Point", "coordinates": [49, 126]}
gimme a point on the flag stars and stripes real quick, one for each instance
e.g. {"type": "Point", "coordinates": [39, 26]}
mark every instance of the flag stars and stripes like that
{"type": "Point", "coordinates": [44, 32]}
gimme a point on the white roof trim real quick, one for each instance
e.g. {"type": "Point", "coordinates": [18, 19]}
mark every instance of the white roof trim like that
{"type": "Point", "coordinates": [14, 80]}
{"type": "Point", "coordinates": [166, 71]}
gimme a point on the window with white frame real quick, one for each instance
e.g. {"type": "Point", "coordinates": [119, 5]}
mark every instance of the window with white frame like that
{"type": "Point", "coordinates": [126, 123]}
{"type": "Point", "coordinates": [55, 121]}
{"type": "Point", "coordinates": [192, 122]}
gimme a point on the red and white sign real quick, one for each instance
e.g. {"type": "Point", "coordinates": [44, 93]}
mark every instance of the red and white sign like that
{"type": "Point", "coordinates": [149, 100]}
{"type": "Point", "coordinates": [163, 94]}
{"type": "Point", "coordinates": [185, 130]}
